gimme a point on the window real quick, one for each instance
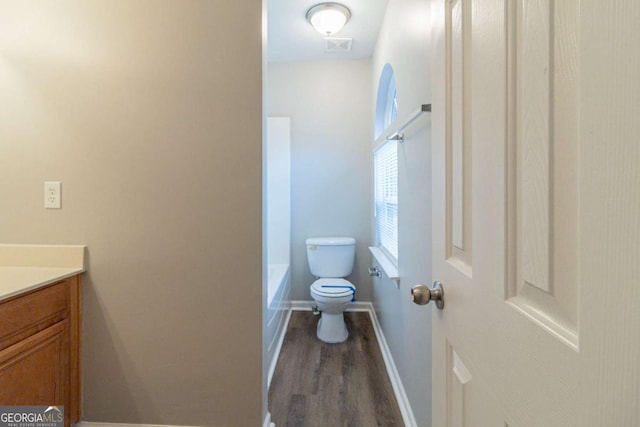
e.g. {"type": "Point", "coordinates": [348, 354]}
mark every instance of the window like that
{"type": "Point", "coordinates": [391, 109]}
{"type": "Point", "coordinates": [386, 168]}
{"type": "Point", "coordinates": [386, 198]}
{"type": "Point", "coordinates": [387, 101]}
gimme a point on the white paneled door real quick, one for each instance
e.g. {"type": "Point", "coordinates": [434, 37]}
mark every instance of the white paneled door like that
{"type": "Point", "coordinates": [536, 212]}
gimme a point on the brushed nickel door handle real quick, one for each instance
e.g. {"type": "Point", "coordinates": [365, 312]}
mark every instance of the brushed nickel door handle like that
{"type": "Point", "coordinates": [421, 294]}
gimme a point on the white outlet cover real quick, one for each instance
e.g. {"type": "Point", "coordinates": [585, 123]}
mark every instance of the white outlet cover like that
{"type": "Point", "coordinates": [52, 195]}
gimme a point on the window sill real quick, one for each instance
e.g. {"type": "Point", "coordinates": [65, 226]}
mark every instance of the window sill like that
{"type": "Point", "coordinates": [385, 263]}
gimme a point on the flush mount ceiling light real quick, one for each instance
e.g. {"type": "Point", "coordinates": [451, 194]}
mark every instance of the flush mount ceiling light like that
{"type": "Point", "coordinates": [328, 18]}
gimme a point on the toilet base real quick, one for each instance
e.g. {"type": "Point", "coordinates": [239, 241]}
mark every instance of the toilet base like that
{"type": "Point", "coordinates": [331, 328]}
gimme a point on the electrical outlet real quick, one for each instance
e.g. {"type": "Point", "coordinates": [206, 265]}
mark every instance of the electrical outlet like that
{"type": "Point", "coordinates": [52, 195]}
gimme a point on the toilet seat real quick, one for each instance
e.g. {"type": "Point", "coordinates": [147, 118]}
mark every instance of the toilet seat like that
{"type": "Point", "coordinates": [333, 288]}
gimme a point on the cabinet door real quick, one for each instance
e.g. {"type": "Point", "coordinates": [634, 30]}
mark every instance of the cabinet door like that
{"type": "Point", "coordinates": [35, 371]}
{"type": "Point", "coordinates": [28, 314]}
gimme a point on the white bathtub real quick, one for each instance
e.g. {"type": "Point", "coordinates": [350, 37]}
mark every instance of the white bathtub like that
{"type": "Point", "coordinates": [278, 285]}
{"type": "Point", "coordinates": [278, 308]}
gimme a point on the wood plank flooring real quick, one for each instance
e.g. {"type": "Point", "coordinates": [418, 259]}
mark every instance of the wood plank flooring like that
{"type": "Point", "coordinates": [319, 384]}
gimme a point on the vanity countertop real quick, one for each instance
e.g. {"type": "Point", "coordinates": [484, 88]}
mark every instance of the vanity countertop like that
{"type": "Point", "coordinates": [27, 267]}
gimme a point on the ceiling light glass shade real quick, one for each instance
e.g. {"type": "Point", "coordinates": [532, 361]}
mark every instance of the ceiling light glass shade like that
{"type": "Point", "coordinates": [328, 18]}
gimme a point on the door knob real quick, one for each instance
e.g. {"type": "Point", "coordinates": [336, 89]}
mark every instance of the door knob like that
{"type": "Point", "coordinates": [421, 294]}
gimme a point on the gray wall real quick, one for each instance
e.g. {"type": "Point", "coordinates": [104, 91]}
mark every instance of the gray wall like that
{"type": "Point", "coordinates": [130, 105]}
{"type": "Point", "coordinates": [406, 326]}
{"type": "Point", "coordinates": [330, 105]}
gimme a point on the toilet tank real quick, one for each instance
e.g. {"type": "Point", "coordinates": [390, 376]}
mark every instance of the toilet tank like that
{"type": "Point", "coordinates": [331, 256]}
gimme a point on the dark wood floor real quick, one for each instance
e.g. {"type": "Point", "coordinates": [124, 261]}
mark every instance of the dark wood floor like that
{"type": "Point", "coordinates": [330, 385]}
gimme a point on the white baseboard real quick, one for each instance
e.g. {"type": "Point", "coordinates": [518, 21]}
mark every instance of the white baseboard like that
{"type": "Point", "coordinates": [267, 421]}
{"type": "Point", "coordinates": [302, 305]}
{"type": "Point", "coordinates": [307, 305]}
{"type": "Point", "coordinates": [401, 396]}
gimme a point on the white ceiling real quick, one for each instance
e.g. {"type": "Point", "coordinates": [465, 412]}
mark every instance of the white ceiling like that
{"type": "Point", "coordinates": [291, 37]}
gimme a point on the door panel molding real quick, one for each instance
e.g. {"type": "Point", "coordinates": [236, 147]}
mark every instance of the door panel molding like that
{"type": "Point", "coordinates": [458, 140]}
{"type": "Point", "coordinates": [458, 376]}
{"type": "Point", "coordinates": [542, 178]}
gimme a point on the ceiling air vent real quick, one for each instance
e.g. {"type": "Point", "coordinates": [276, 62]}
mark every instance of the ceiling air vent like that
{"type": "Point", "coordinates": [337, 44]}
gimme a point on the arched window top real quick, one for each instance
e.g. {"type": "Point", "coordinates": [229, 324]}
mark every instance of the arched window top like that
{"type": "Point", "coordinates": [387, 100]}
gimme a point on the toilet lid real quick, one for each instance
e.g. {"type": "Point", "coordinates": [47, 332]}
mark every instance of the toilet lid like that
{"type": "Point", "coordinates": [333, 287]}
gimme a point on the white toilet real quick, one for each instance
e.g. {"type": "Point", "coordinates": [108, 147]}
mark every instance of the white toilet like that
{"type": "Point", "coordinates": [331, 259]}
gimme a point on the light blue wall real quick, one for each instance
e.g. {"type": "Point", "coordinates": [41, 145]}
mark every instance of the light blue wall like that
{"type": "Point", "coordinates": [406, 326]}
{"type": "Point", "coordinates": [330, 106]}
{"type": "Point", "coordinates": [278, 177]}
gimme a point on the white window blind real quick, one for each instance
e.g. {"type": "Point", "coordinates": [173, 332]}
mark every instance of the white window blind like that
{"type": "Point", "coordinates": [386, 197]}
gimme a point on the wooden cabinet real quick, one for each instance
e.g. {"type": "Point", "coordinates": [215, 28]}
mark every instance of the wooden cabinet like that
{"type": "Point", "coordinates": [38, 368]}
{"type": "Point", "coordinates": [40, 348]}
